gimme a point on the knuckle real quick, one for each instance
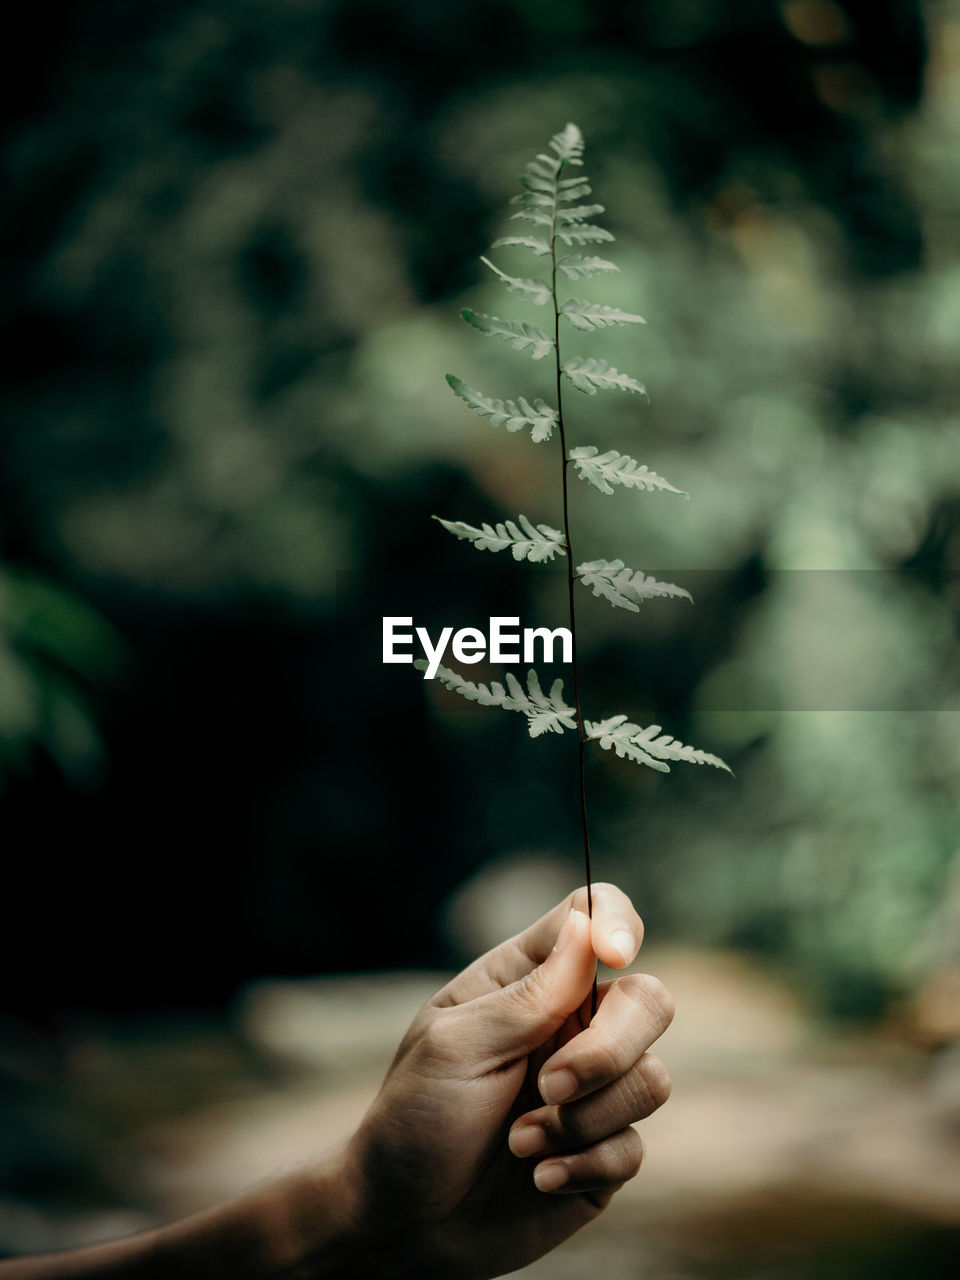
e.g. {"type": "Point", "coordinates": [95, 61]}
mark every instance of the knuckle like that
{"type": "Point", "coordinates": [650, 992]}
{"type": "Point", "coordinates": [607, 1061]}
{"type": "Point", "coordinates": [632, 1153]}
{"type": "Point", "coordinates": [619, 1158]}
{"type": "Point", "coordinates": [440, 1036]}
{"type": "Point", "coordinates": [530, 990]}
{"type": "Point", "coordinates": [656, 1079]}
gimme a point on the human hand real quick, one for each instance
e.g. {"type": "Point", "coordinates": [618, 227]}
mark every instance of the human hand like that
{"type": "Point", "coordinates": [503, 1125]}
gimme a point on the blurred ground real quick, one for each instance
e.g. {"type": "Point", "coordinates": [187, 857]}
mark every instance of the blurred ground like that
{"type": "Point", "coordinates": [782, 1153]}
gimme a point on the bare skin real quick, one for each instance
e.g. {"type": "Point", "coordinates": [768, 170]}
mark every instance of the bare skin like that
{"type": "Point", "coordinates": [502, 1127]}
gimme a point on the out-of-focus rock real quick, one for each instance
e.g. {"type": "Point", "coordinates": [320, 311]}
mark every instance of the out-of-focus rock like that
{"type": "Point", "coordinates": [504, 898]}
{"type": "Point", "coordinates": [333, 1024]}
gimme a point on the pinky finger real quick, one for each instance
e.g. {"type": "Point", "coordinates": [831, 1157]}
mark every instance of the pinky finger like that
{"type": "Point", "coordinates": [603, 1167]}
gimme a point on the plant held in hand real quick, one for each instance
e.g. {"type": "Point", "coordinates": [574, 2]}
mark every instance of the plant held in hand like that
{"type": "Point", "coordinates": [560, 227]}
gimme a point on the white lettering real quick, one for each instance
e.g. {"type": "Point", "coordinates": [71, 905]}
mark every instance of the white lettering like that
{"type": "Point", "coordinates": [469, 645]}
{"type": "Point", "coordinates": [530, 634]}
{"type": "Point", "coordinates": [499, 637]}
{"type": "Point", "coordinates": [434, 653]}
{"type": "Point", "coordinates": [390, 638]}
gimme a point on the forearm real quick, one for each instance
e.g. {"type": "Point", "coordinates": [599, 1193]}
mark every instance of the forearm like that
{"type": "Point", "coordinates": [298, 1227]}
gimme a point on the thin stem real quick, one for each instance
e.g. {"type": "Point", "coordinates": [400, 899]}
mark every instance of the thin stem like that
{"type": "Point", "coordinates": [581, 736]}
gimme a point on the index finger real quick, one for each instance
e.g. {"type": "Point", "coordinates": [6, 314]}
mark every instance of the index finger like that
{"type": "Point", "coordinates": [616, 934]}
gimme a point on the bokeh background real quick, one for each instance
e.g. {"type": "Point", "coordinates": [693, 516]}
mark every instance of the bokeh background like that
{"type": "Point", "coordinates": [236, 240]}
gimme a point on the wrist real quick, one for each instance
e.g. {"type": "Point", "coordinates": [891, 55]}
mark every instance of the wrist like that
{"type": "Point", "coordinates": [310, 1225]}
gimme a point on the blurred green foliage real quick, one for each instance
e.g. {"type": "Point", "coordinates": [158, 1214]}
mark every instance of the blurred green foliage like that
{"type": "Point", "coordinates": [238, 236]}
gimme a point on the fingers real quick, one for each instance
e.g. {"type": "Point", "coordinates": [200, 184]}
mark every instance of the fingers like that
{"type": "Point", "coordinates": [633, 1097]}
{"type": "Point", "coordinates": [601, 1168]}
{"type": "Point", "coordinates": [511, 1022]}
{"type": "Point", "coordinates": [616, 933]}
{"type": "Point", "coordinates": [616, 929]}
{"type": "Point", "coordinates": [603, 1079]}
{"type": "Point", "coordinates": [634, 1012]}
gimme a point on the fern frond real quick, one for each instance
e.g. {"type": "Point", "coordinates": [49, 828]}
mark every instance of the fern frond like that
{"type": "Point", "coordinates": [592, 375]}
{"type": "Point", "coordinates": [647, 746]}
{"type": "Point", "coordinates": [592, 315]}
{"type": "Point", "coordinates": [512, 414]}
{"type": "Point", "coordinates": [540, 247]}
{"type": "Point", "coordinates": [546, 713]}
{"type": "Point", "coordinates": [583, 233]}
{"type": "Point", "coordinates": [575, 267]}
{"type": "Point", "coordinates": [623, 587]}
{"type": "Point", "coordinates": [604, 470]}
{"type": "Point", "coordinates": [536, 291]}
{"type": "Point", "coordinates": [537, 543]}
{"type": "Point", "coordinates": [517, 333]}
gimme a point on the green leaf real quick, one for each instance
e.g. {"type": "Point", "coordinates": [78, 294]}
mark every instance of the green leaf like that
{"type": "Point", "coordinates": [568, 145]}
{"type": "Point", "coordinates": [574, 266]}
{"type": "Point", "coordinates": [567, 217]}
{"type": "Point", "coordinates": [591, 315]}
{"type": "Point", "coordinates": [536, 291]}
{"type": "Point", "coordinates": [542, 217]}
{"type": "Point", "coordinates": [517, 333]}
{"type": "Point", "coordinates": [623, 587]}
{"type": "Point", "coordinates": [645, 746]}
{"type": "Point", "coordinates": [617, 733]}
{"type": "Point", "coordinates": [604, 470]}
{"type": "Point", "coordinates": [538, 184]}
{"type": "Point", "coordinates": [537, 543]}
{"type": "Point", "coordinates": [544, 169]}
{"type": "Point", "coordinates": [540, 247]}
{"type": "Point", "coordinates": [546, 713]}
{"type": "Point", "coordinates": [583, 233]}
{"type": "Point", "coordinates": [572, 189]}
{"type": "Point", "coordinates": [512, 414]}
{"type": "Point", "coordinates": [535, 199]}
{"type": "Point", "coordinates": [591, 376]}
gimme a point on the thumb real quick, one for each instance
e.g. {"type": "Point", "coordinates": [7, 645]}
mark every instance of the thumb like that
{"type": "Point", "coordinates": [517, 1019]}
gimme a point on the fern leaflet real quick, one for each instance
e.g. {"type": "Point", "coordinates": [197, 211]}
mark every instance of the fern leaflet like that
{"type": "Point", "coordinates": [583, 233]}
{"type": "Point", "coordinates": [572, 189]}
{"type": "Point", "coordinates": [512, 414]}
{"type": "Point", "coordinates": [591, 315]}
{"type": "Point", "coordinates": [579, 213]}
{"type": "Point", "coordinates": [604, 470]}
{"type": "Point", "coordinates": [540, 215]}
{"type": "Point", "coordinates": [617, 734]}
{"type": "Point", "coordinates": [540, 247]}
{"type": "Point", "coordinates": [575, 266]}
{"type": "Point", "coordinates": [592, 375]}
{"type": "Point", "coordinates": [528, 542]}
{"type": "Point", "coordinates": [623, 587]}
{"type": "Point", "coordinates": [536, 291]}
{"type": "Point", "coordinates": [517, 333]}
{"type": "Point", "coordinates": [647, 746]}
{"type": "Point", "coordinates": [546, 713]}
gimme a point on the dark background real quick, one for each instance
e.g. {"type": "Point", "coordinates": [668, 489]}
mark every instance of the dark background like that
{"type": "Point", "coordinates": [236, 237]}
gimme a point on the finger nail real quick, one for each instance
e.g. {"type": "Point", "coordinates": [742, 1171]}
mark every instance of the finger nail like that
{"type": "Point", "coordinates": [568, 930]}
{"type": "Point", "coordinates": [558, 1086]}
{"type": "Point", "coordinates": [550, 1177]}
{"type": "Point", "coordinates": [622, 940]}
{"type": "Point", "coordinates": [527, 1140]}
